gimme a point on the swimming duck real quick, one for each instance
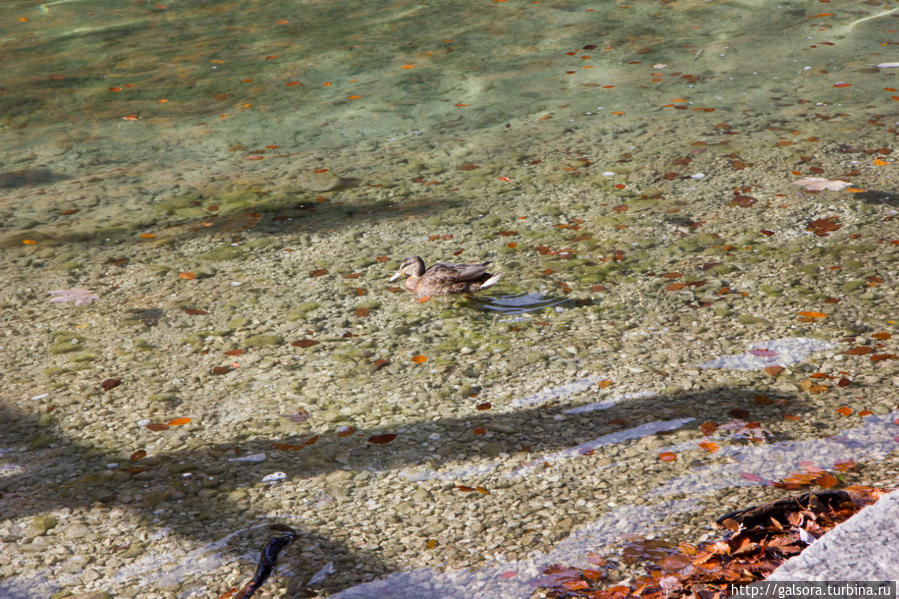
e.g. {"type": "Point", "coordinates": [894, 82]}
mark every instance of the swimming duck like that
{"type": "Point", "coordinates": [443, 278]}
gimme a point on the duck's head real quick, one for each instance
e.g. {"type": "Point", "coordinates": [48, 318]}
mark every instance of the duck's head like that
{"type": "Point", "coordinates": [411, 266]}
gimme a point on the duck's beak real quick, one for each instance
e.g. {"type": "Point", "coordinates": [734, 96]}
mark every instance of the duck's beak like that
{"type": "Point", "coordinates": [396, 276]}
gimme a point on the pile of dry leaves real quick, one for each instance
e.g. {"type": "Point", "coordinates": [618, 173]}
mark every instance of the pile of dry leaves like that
{"type": "Point", "coordinates": [758, 540]}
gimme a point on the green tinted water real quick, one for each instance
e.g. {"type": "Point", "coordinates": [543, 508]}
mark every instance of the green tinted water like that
{"type": "Point", "coordinates": [205, 82]}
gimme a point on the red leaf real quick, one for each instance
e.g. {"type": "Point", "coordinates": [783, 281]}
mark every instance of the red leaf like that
{"type": "Point", "coordinates": [773, 370]}
{"type": "Point", "coordinates": [304, 343]}
{"type": "Point", "coordinates": [287, 447]}
{"type": "Point", "coordinates": [859, 350]}
{"type": "Point", "coordinates": [110, 384]}
{"type": "Point", "coordinates": [382, 439]}
{"type": "Point", "coordinates": [826, 481]}
{"type": "Point", "coordinates": [708, 428]}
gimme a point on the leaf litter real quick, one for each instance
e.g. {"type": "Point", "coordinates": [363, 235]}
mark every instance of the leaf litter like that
{"type": "Point", "coordinates": [756, 541]}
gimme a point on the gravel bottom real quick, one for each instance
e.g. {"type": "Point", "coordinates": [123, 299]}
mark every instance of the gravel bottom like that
{"type": "Point", "coordinates": [256, 304]}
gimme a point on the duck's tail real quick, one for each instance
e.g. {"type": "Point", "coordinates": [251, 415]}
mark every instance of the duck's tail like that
{"type": "Point", "coordinates": [491, 281]}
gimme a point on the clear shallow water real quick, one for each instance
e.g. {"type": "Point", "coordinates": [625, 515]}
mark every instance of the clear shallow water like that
{"type": "Point", "coordinates": [119, 108]}
{"type": "Point", "coordinates": [448, 82]}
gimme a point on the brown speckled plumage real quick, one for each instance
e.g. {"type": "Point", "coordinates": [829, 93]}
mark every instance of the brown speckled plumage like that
{"type": "Point", "coordinates": [444, 278]}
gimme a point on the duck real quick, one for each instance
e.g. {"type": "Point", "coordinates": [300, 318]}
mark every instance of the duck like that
{"type": "Point", "coordinates": [444, 278]}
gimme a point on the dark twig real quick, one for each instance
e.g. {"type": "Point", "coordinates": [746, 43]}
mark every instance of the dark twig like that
{"type": "Point", "coordinates": [267, 560]}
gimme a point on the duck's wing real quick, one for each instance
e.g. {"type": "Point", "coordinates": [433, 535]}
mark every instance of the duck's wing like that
{"type": "Point", "coordinates": [447, 273]}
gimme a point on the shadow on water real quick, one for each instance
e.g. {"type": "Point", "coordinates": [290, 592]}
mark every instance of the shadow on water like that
{"type": "Point", "coordinates": [275, 218]}
{"type": "Point", "coordinates": [889, 198]}
{"type": "Point", "coordinates": [57, 472]}
{"type": "Point", "coordinates": [514, 305]}
{"type": "Point", "coordinates": [28, 176]}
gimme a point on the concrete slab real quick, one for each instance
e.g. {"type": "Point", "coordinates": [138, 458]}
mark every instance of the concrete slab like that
{"type": "Point", "coordinates": [865, 547]}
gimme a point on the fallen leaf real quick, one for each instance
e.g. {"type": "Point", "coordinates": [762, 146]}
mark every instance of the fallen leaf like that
{"type": "Point", "coordinates": [382, 439]}
{"type": "Point", "coordinates": [287, 446]}
{"type": "Point", "coordinates": [744, 201]}
{"type": "Point", "coordinates": [157, 426]}
{"type": "Point", "coordinates": [574, 585]}
{"type": "Point", "coordinates": [821, 184]}
{"type": "Point", "coordinates": [860, 350]}
{"type": "Point", "coordinates": [76, 295]}
{"type": "Point", "coordinates": [752, 477]}
{"type": "Point", "coordinates": [880, 357]}
{"type": "Point", "coordinates": [808, 314]}
{"type": "Point", "coordinates": [667, 456]}
{"type": "Point", "coordinates": [844, 465]}
{"type": "Point", "coordinates": [304, 343]}
{"type": "Point", "coordinates": [826, 481]}
{"type": "Point", "coordinates": [110, 384]}
{"type": "Point", "coordinates": [762, 352]}
{"type": "Point", "coordinates": [420, 359]}
{"type": "Point", "coordinates": [823, 226]}
{"type": "Point", "coordinates": [138, 455]}
{"type": "Point", "coordinates": [708, 428]}
{"type": "Point", "coordinates": [709, 446]}
{"type": "Point", "coordinates": [179, 421]}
